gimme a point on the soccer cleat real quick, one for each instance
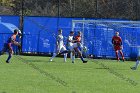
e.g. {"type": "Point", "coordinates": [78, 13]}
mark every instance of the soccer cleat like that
{"type": "Point", "coordinates": [123, 60]}
{"type": "Point", "coordinates": [84, 61]}
{"type": "Point", "coordinates": [133, 68]}
{"type": "Point", "coordinates": [50, 60]}
{"type": "Point", "coordinates": [72, 61]}
{"type": "Point", "coordinates": [118, 60]}
{"type": "Point", "coordinates": [7, 61]}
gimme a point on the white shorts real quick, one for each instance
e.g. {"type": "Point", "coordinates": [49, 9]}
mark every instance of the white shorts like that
{"type": "Point", "coordinates": [61, 48]}
{"type": "Point", "coordinates": [74, 45]}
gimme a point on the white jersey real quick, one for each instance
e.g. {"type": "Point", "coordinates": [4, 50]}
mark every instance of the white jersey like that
{"type": "Point", "coordinates": [71, 45]}
{"type": "Point", "coordinates": [60, 46]}
{"type": "Point", "coordinates": [60, 39]}
{"type": "Point", "coordinates": [70, 38]}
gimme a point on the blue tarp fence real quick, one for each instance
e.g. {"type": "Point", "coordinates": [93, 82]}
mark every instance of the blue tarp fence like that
{"type": "Point", "coordinates": [39, 34]}
{"type": "Point", "coordinates": [7, 26]}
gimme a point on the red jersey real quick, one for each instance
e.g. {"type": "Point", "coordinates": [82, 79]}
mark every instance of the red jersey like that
{"type": "Point", "coordinates": [78, 38]}
{"type": "Point", "coordinates": [116, 40]}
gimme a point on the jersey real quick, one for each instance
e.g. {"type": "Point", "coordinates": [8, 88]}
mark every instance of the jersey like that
{"type": "Point", "coordinates": [60, 39]}
{"type": "Point", "coordinates": [11, 39]}
{"type": "Point", "coordinates": [78, 38]}
{"type": "Point", "coordinates": [70, 38]}
{"type": "Point", "coordinates": [117, 41]}
{"type": "Point", "coordinates": [8, 44]}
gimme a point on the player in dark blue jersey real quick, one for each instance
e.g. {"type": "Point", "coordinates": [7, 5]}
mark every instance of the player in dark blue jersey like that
{"type": "Point", "coordinates": [8, 45]}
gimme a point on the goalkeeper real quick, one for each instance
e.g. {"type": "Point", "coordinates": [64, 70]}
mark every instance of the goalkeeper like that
{"type": "Point", "coordinates": [8, 45]}
{"type": "Point", "coordinates": [117, 43]}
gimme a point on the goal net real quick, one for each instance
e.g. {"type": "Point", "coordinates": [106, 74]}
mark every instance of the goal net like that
{"type": "Point", "coordinates": [97, 36]}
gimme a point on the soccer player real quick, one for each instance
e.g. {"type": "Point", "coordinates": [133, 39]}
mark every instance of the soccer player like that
{"type": "Point", "coordinates": [137, 61]}
{"type": "Point", "coordinates": [70, 45]}
{"type": "Point", "coordinates": [117, 43]}
{"type": "Point", "coordinates": [8, 46]}
{"type": "Point", "coordinates": [74, 44]}
{"type": "Point", "coordinates": [136, 65]}
{"type": "Point", "coordinates": [60, 46]}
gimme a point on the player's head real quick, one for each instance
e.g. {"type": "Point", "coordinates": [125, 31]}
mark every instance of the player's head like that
{"type": "Point", "coordinates": [16, 31]}
{"type": "Point", "coordinates": [71, 33]}
{"type": "Point", "coordinates": [60, 31]}
{"type": "Point", "coordinates": [117, 33]}
{"type": "Point", "coordinates": [79, 33]}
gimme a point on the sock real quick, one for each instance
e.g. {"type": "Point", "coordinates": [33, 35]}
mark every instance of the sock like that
{"type": "Point", "coordinates": [82, 58]}
{"type": "Point", "coordinates": [122, 55]}
{"type": "Point", "coordinates": [117, 55]}
{"type": "Point", "coordinates": [65, 57]}
{"type": "Point", "coordinates": [54, 55]}
{"type": "Point", "coordinates": [137, 63]}
{"type": "Point", "coordinates": [73, 58]}
{"type": "Point", "coordinates": [71, 55]}
{"type": "Point", "coordinates": [9, 57]}
{"type": "Point", "coordinates": [65, 51]}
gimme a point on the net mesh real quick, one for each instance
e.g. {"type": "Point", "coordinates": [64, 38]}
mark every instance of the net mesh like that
{"type": "Point", "coordinates": [97, 36]}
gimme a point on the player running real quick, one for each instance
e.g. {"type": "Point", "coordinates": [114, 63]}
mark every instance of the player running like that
{"type": "Point", "coordinates": [60, 46]}
{"type": "Point", "coordinates": [8, 46]}
{"type": "Point", "coordinates": [74, 44]}
{"type": "Point", "coordinates": [117, 43]}
{"type": "Point", "coordinates": [138, 59]}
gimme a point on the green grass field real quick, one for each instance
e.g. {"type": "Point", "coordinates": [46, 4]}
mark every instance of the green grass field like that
{"type": "Point", "coordinates": [33, 74]}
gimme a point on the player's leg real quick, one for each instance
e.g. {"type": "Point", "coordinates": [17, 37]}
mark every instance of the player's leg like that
{"type": "Point", "coordinates": [56, 53]}
{"type": "Point", "coordinates": [10, 55]}
{"type": "Point", "coordinates": [117, 56]}
{"type": "Point", "coordinates": [73, 56]}
{"type": "Point", "coordinates": [137, 63]}
{"type": "Point", "coordinates": [65, 53]}
{"type": "Point", "coordinates": [80, 54]}
{"type": "Point", "coordinates": [116, 52]}
{"type": "Point", "coordinates": [71, 51]}
{"type": "Point", "coordinates": [122, 55]}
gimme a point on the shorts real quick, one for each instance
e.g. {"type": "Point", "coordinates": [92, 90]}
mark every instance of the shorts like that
{"type": "Point", "coordinates": [117, 48]}
{"type": "Point", "coordinates": [74, 45]}
{"type": "Point", "coordinates": [61, 48]}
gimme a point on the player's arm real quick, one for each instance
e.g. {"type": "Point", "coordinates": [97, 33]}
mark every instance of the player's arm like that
{"type": "Point", "coordinates": [121, 45]}
{"type": "Point", "coordinates": [113, 40]}
{"type": "Point", "coordinates": [57, 40]}
{"type": "Point", "coordinates": [68, 40]}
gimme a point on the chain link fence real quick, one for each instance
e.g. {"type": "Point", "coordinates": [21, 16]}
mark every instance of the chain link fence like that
{"type": "Point", "coordinates": [126, 9]}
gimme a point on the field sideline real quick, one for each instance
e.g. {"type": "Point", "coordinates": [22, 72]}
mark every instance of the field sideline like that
{"type": "Point", "coordinates": [33, 74]}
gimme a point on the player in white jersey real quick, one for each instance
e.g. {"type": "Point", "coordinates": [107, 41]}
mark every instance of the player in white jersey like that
{"type": "Point", "coordinates": [138, 59]}
{"type": "Point", "coordinates": [74, 44]}
{"type": "Point", "coordinates": [60, 46]}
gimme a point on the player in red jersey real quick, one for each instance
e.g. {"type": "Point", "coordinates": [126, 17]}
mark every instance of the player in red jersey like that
{"type": "Point", "coordinates": [8, 45]}
{"type": "Point", "coordinates": [77, 44]}
{"type": "Point", "coordinates": [117, 43]}
{"type": "Point", "coordinates": [78, 37]}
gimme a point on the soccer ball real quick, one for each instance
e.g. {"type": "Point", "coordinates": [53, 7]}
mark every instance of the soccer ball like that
{"type": "Point", "coordinates": [84, 48]}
